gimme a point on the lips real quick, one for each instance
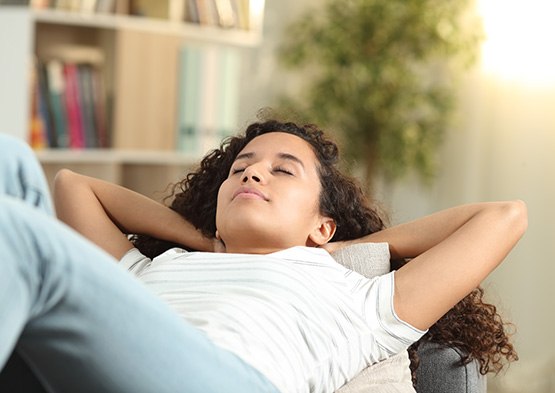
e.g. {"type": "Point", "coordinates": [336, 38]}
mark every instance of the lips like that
{"type": "Point", "coordinates": [249, 192]}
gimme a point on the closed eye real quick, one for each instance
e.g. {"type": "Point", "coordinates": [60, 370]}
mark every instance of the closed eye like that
{"type": "Point", "coordinates": [237, 170]}
{"type": "Point", "coordinates": [283, 170]}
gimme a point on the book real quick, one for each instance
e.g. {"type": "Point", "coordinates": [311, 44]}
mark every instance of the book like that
{"type": "Point", "coordinates": [100, 104]}
{"type": "Point", "coordinates": [191, 11]}
{"type": "Point", "coordinates": [88, 120]}
{"type": "Point", "coordinates": [105, 6]}
{"type": "Point", "coordinates": [76, 54]}
{"type": "Point", "coordinates": [44, 105]}
{"type": "Point", "coordinates": [207, 13]}
{"type": "Point", "coordinates": [188, 100]}
{"type": "Point", "coordinates": [71, 100]}
{"type": "Point", "coordinates": [208, 97]}
{"type": "Point", "coordinates": [242, 10]}
{"type": "Point", "coordinates": [73, 107]}
{"type": "Point", "coordinates": [88, 6]}
{"type": "Point", "coordinates": [228, 96]}
{"type": "Point", "coordinates": [156, 9]}
{"type": "Point", "coordinates": [39, 4]}
{"type": "Point", "coordinates": [37, 137]}
{"type": "Point", "coordinates": [56, 87]}
{"type": "Point", "coordinates": [226, 13]}
{"type": "Point", "coordinates": [208, 100]}
{"type": "Point", "coordinates": [176, 10]}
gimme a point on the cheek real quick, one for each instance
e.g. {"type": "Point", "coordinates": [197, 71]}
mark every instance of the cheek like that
{"type": "Point", "coordinates": [306, 200]}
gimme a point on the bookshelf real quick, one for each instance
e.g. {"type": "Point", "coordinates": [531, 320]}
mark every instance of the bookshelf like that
{"type": "Point", "coordinates": [140, 62]}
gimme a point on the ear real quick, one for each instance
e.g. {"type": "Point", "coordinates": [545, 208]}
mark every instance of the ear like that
{"type": "Point", "coordinates": [323, 233]}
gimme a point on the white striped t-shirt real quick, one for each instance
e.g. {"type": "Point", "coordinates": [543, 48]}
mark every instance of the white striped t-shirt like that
{"type": "Point", "coordinates": [300, 318]}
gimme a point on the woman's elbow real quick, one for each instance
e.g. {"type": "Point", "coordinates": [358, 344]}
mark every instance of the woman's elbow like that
{"type": "Point", "coordinates": [64, 182]}
{"type": "Point", "coordinates": [64, 176]}
{"type": "Point", "coordinates": [517, 213]}
{"type": "Point", "coordinates": [63, 179]}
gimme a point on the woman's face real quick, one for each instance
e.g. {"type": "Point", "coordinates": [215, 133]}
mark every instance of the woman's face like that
{"type": "Point", "coordinates": [270, 200]}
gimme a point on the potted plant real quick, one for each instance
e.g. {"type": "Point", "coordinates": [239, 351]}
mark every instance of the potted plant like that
{"type": "Point", "coordinates": [382, 73]}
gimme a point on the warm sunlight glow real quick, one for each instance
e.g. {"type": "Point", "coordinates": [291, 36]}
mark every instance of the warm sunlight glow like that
{"type": "Point", "coordinates": [519, 42]}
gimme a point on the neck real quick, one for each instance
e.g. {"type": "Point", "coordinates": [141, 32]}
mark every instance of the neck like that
{"type": "Point", "coordinates": [252, 250]}
{"type": "Point", "coordinates": [256, 246]}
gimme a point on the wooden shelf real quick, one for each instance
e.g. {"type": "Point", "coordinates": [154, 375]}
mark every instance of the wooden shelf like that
{"type": "Point", "coordinates": [140, 69]}
{"type": "Point", "coordinates": [115, 156]}
{"type": "Point", "coordinates": [189, 31]}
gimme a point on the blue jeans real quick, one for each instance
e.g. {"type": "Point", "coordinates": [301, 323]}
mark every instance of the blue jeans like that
{"type": "Point", "coordinates": [80, 321]}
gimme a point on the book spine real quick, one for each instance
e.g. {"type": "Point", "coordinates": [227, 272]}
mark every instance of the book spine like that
{"type": "Point", "coordinates": [99, 108]}
{"type": "Point", "coordinates": [176, 10]}
{"type": "Point", "coordinates": [209, 98]}
{"type": "Point", "coordinates": [191, 11]}
{"type": "Point", "coordinates": [189, 99]}
{"type": "Point", "coordinates": [36, 124]}
{"type": "Point", "coordinates": [56, 89]}
{"type": "Point", "coordinates": [228, 113]}
{"type": "Point", "coordinates": [87, 107]}
{"type": "Point", "coordinates": [73, 107]}
{"type": "Point", "coordinates": [226, 15]}
{"type": "Point", "coordinates": [182, 112]}
{"type": "Point", "coordinates": [45, 106]}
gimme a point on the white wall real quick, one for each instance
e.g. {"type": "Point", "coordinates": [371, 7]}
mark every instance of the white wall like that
{"type": "Point", "coordinates": [501, 146]}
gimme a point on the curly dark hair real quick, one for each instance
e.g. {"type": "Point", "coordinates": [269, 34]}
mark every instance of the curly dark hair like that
{"type": "Point", "coordinates": [472, 325]}
{"type": "Point", "coordinates": [341, 199]}
{"type": "Point", "coordinates": [475, 328]}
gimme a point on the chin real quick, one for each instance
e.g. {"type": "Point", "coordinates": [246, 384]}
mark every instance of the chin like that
{"type": "Point", "coordinates": [251, 229]}
{"type": "Point", "coordinates": [243, 224]}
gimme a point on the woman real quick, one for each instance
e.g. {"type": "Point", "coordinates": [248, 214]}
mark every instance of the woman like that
{"type": "Point", "coordinates": [268, 204]}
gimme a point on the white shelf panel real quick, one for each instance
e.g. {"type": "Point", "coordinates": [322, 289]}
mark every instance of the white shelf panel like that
{"type": "Point", "coordinates": [109, 156]}
{"type": "Point", "coordinates": [190, 31]}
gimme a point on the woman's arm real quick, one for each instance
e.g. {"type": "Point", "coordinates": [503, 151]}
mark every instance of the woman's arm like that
{"type": "Point", "coordinates": [452, 251]}
{"type": "Point", "coordinates": [104, 213]}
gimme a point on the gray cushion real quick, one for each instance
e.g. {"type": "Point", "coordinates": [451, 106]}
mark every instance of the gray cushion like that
{"type": "Point", "coordinates": [368, 259]}
{"type": "Point", "coordinates": [391, 375]}
{"type": "Point", "coordinates": [388, 376]}
{"type": "Point", "coordinates": [440, 371]}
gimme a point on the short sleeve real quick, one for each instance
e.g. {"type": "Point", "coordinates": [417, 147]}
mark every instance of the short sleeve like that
{"type": "Point", "coordinates": [392, 334]}
{"type": "Point", "coordinates": [134, 261]}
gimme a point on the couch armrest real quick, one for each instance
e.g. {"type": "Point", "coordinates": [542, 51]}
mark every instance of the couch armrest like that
{"type": "Point", "coordinates": [440, 371]}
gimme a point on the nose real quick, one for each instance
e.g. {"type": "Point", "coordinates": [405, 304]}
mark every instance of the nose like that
{"type": "Point", "coordinates": [251, 174]}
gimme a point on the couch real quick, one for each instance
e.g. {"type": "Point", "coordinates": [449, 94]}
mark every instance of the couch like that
{"type": "Point", "coordinates": [440, 370]}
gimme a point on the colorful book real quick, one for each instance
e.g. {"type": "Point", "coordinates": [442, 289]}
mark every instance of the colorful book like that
{"type": "Point", "coordinates": [73, 107]}
{"type": "Point", "coordinates": [37, 137]}
{"type": "Point", "coordinates": [45, 107]}
{"type": "Point", "coordinates": [56, 87]}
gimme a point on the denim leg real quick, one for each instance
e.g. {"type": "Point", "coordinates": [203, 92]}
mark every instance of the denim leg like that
{"type": "Point", "coordinates": [86, 325]}
{"type": "Point", "coordinates": [21, 175]}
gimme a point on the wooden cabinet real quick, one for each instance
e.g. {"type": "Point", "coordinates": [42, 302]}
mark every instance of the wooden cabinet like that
{"type": "Point", "coordinates": [140, 72]}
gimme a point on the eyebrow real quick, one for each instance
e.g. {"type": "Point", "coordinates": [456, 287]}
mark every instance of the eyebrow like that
{"type": "Point", "coordinates": [284, 156]}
